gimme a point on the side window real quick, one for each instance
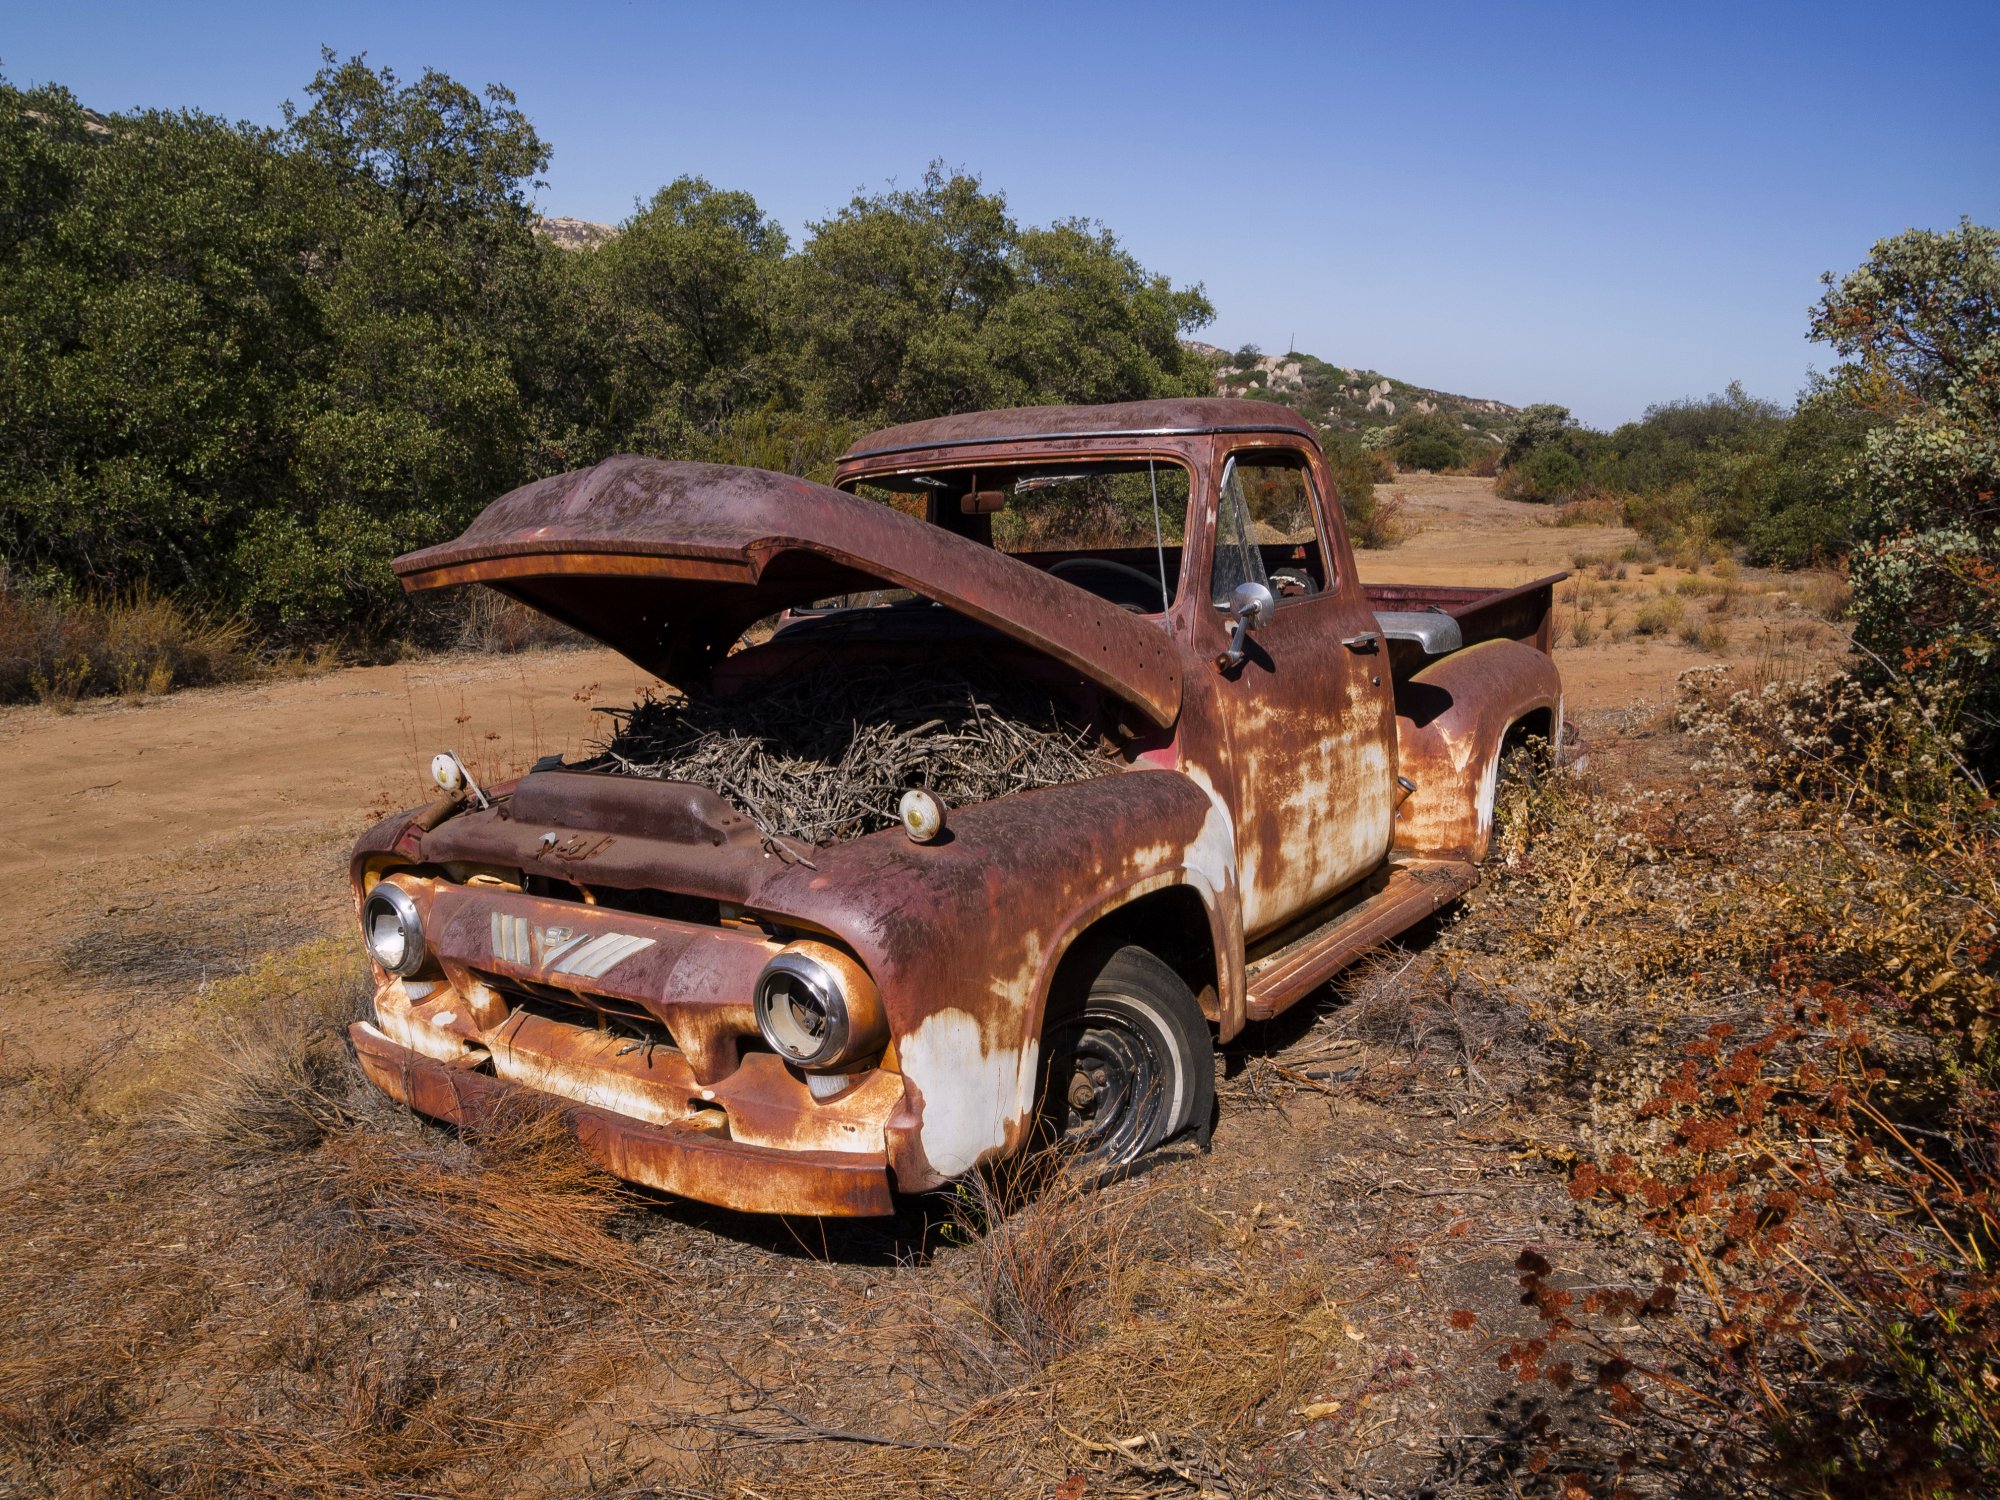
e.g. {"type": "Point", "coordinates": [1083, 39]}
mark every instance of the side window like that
{"type": "Point", "coordinates": [1267, 528]}
{"type": "Point", "coordinates": [1237, 560]}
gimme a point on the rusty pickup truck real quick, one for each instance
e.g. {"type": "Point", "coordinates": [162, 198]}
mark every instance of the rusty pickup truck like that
{"type": "Point", "coordinates": [1302, 767]}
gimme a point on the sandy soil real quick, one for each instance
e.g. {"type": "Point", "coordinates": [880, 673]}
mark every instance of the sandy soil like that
{"type": "Point", "coordinates": [128, 785]}
{"type": "Point", "coordinates": [216, 822]}
{"type": "Point", "coordinates": [1467, 534]}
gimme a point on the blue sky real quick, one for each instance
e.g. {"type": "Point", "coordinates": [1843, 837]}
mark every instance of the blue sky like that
{"type": "Point", "coordinates": [1599, 204]}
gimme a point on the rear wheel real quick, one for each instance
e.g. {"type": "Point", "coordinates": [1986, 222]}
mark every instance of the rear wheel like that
{"type": "Point", "coordinates": [1127, 1061]}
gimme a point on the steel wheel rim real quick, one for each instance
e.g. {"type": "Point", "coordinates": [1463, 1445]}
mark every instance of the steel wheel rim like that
{"type": "Point", "coordinates": [1109, 1102]}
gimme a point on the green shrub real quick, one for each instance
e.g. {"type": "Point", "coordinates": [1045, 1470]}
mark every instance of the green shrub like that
{"type": "Point", "coordinates": [1920, 326]}
{"type": "Point", "coordinates": [1355, 474]}
{"type": "Point", "coordinates": [1659, 615]}
{"type": "Point", "coordinates": [1481, 459]}
{"type": "Point", "coordinates": [1427, 440]}
{"type": "Point", "coordinates": [1804, 534]}
{"type": "Point", "coordinates": [1543, 425]}
{"type": "Point", "coordinates": [1552, 474]}
{"type": "Point", "coordinates": [250, 366]}
{"type": "Point", "coordinates": [1426, 453]}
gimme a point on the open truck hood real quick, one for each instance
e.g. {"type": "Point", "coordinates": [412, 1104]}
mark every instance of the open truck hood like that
{"type": "Point", "coordinates": [668, 564]}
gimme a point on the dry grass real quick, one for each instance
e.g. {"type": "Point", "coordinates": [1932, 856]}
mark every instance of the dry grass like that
{"type": "Point", "coordinates": [822, 756]}
{"type": "Point", "coordinates": [1591, 510]}
{"type": "Point", "coordinates": [1383, 523]}
{"type": "Point", "coordinates": [1110, 1342]}
{"type": "Point", "coordinates": [60, 651]}
{"type": "Point", "coordinates": [1704, 635]}
{"type": "Point", "coordinates": [247, 1274]}
{"type": "Point", "coordinates": [1826, 594]}
{"type": "Point", "coordinates": [492, 623]}
{"type": "Point", "coordinates": [175, 947]}
{"type": "Point", "coordinates": [250, 1275]}
{"type": "Point", "coordinates": [274, 1084]}
{"type": "Point", "coordinates": [1659, 615]}
{"type": "Point", "coordinates": [1771, 976]}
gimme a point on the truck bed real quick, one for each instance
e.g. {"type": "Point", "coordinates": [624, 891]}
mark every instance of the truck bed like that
{"type": "Point", "coordinates": [1522, 613]}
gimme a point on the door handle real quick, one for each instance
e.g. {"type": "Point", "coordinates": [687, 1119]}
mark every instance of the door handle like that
{"type": "Point", "coordinates": [1367, 641]}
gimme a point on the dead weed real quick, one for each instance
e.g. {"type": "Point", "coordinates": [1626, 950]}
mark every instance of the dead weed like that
{"type": "Point", "coordinates": [249, 1274]}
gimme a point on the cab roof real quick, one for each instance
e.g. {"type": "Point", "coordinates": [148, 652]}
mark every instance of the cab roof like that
{"type": "Point", "coordinates": [1177, 417]}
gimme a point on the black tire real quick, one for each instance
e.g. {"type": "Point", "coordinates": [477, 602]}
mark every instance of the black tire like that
{"type": "Point", "coordinates": [1127, 1062]}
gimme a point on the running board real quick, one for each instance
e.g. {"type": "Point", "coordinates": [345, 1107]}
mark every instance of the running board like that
{"type": "Point", "coordinates": [1410, 893]}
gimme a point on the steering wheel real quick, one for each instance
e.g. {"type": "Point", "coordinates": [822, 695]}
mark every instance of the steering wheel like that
{"type": "Point", "coordinates": [1115, 582]}
{"type": "Point", "coordinates": [1293, 583]}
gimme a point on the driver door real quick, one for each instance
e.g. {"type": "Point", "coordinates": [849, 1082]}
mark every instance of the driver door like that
{"type": "Point", "coordinates": [1309, 713]}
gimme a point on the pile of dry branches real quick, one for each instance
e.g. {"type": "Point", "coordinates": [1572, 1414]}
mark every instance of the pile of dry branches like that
{"type": "Point", "coordinates": [824, 755]}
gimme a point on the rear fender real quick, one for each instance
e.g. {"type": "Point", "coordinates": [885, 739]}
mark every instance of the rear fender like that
{"type": "Point", "coordinates": [1452, 721]}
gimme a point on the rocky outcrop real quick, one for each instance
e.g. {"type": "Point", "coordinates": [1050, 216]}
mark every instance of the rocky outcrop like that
{"type": "Point", "coordinates": [1341, 397]}
{"type": "Point", "coordinates": [574, 234]}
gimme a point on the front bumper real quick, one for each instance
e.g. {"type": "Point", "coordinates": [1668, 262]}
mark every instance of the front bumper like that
{"type": "Point", "coordinates": [694, 1159]}
{"type": "Point", "coordinates": [640, 1028]}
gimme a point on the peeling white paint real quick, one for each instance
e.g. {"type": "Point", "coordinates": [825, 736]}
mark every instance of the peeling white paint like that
{"type": "Point", "coordinates": [1371, 827]}
{"type": "Point", "coordinates": [394, 1020]}
{"type": "Point", "coordinates": [1489, 785]}
{"type": "Point", "coordinates": [970, 1094]}
{"type": "Point", "coordinates": [596, 1086]}
{"type": "Point", "coordinates": [1211, 857]}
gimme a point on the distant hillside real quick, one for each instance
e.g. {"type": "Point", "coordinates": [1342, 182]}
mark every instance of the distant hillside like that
{"type": "Point", "coordinates": [574, 234]}
{"type": "Point", "coordinates": [1344, 398]}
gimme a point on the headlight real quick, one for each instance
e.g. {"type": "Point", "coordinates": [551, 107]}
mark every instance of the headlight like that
{"type": "Point", "coordinates": [392, 929]}
{"type": "Point", "coordinates": [818, 1008]}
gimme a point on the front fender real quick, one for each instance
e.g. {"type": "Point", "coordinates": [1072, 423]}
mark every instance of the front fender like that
{"type": "Point", "coordinates": [1452, 720]}
{"type": "Point", "coordinates": [962, 937]}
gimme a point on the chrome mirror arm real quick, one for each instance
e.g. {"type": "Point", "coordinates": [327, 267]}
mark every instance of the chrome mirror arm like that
{"type": "Point", "coordinates": [1250, 608]}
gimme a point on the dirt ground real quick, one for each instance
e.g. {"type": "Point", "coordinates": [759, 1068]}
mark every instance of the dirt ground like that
{"type": "Point", "coordinates": [166, 847]}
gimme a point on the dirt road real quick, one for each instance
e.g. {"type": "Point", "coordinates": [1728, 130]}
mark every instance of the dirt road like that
{"type": "Point", "coordinates": [112, 790]}
{"type": "Point", "coordinates": [1467, 534]}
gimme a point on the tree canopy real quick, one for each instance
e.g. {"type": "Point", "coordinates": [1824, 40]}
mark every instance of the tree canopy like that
{"type": "Point", "coordinates": [248, 366]}
{"type": "Point", "coordinates": [1919, 324]}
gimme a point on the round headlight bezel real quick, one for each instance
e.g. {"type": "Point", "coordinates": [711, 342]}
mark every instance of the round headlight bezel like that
{"type": "Point", "coordinates": [818, 1009]}
{"type": "Point", "coordinates": [392, 900]}
{"type": "Point", "coordinates": [787, 978]}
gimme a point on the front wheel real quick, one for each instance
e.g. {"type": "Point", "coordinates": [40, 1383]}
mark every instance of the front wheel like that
{"type": "Point", "coordinates": [1127, 1061]}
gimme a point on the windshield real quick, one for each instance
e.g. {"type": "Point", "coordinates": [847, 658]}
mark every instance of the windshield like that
{"type": "Point", "coordinates": [1114, 528]}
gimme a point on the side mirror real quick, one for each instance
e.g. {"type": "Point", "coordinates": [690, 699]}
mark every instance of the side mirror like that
{"type": "Point", "coordinates": [1250, 608]}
